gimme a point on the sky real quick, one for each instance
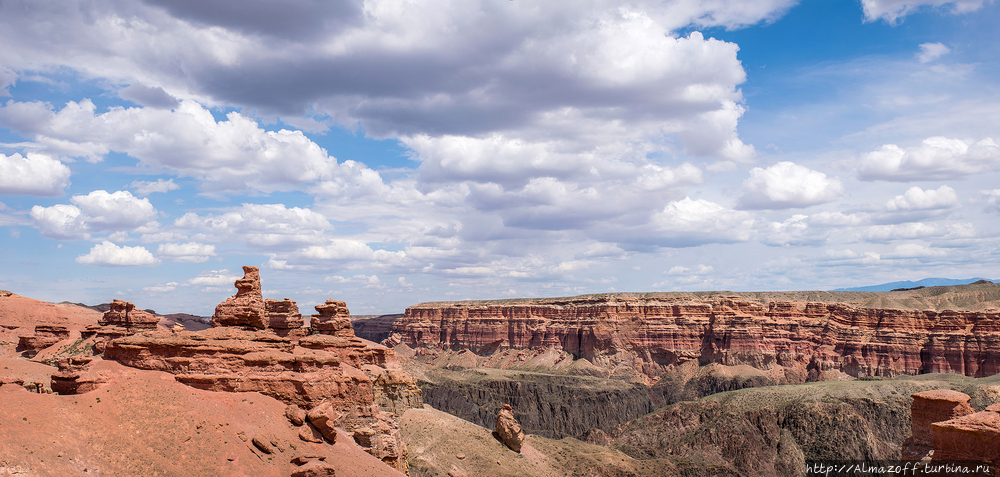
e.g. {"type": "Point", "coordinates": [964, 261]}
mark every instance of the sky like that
{"type": "Point", "coordinates": [388, 152]}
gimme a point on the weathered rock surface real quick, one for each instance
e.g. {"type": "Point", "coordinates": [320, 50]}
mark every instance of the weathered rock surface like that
{"type": "Point", "coordinates": [508, 430]}
{"type": "Point", "coordinates": [43, 337]}
{"type": "Point", "coordinates": [645, 334]}
{"type": "Point", "coordinates": [246, 307]}
{"type": "Point", "coordinates": [333, 318]}
{"type": "Point", "coordinates": [283, 316]}
{"type": "Point", "coordinates": [929, 407]}
{"type": "Point", "coordinates": [125, 315]}
{"type": "Point", "coordinates": [340, 379]}
{"type": "Point", "coordinates": [973, 437]}
{"type": "Point", "coordinates": [75, 377]}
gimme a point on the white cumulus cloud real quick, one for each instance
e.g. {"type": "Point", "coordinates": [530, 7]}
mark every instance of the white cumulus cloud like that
{"type": "Point", "coordinates": [144, 188]}
{"type": "Point", "coordinates": [788, 185]}
{"type": "Point", "coordinates": [935, 159]}
{"type": "Point", "coordinates": [915, 198]}
{"type": "Point", "coordinates": [107, 254]}
{"type": "Point", "coordinates": [932, 51]}
{"type": "Point", "coordinates": [688, 222]}
{"type": "Point", "coordinates": [98, 211]}
{"type": "Point", "coordinates": [33, 174]}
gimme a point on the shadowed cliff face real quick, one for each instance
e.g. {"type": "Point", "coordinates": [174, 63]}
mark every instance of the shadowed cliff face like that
{"type": "Point", "coordinates": [773, 430]}
{"type": "Point", "coordinates": [548, 405]}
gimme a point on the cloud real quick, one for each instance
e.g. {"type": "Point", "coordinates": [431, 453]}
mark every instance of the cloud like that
{"type": "Point", "coordinates": [932, 51]}
{"type": "Point", "coordinates": [98, 211]}
{"type": "Point", "coordinates": [214, 279]}
{"type": "Point", "coordinates": [936, 158]}
{"type": "Point", "coordinates": [191, 252]}
{"type": "Point", "coordinates": [161, 288]}
{"type": "Point", "coordinates": [234, 155]}
{"type": "Point", "coordinates": [688, 223]}
{"type": "Point", "coordinates": [893, 10]}
{"type": "Point", "coordinates": [787, 185]}
{"type": "Point", "coordinates": [991, 198]}
{"type": "Point", "coordinates": [7, 78]}
{"type": "Point", "coordinates": [33, 174]}
{"type": "Point", "coordinates": [107, 254]}
{"type": "Point", "coordinates": [144, 188]}
{"type": "Point", "coordinates": [917, 199]}
{"type": "Point", "coordinates": [265, 225]}
{"type": "Point", "coordinates": [916, 230]}
{"type": "Point", "coordinates": [913, 250]}
{"type": "Point", "coordinates": [150, 97]}
{"type": "Point", "coordinates": [562, 76]}
{"type": "Point", "coordinates": [847, 257]}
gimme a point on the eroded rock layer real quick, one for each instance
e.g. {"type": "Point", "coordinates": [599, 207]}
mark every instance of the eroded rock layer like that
{"type": "Point", "coordinates": [343, 381]}
{"type": "Point", "coordinates": [649, 335]}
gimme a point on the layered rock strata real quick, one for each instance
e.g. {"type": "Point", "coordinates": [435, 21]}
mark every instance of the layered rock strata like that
{"type": "Point", "coordinates": [333, 318]}
{"type": "Point", "coordinates": [283, 317]}
{"type": "Point", "coordinates": [341, 381]}
{"type": "Point", "coordinates": [973, 437]}
{"type": "Point", "coordinates": [648, 335]}
{"type": "Point", "coordinates": [43, 337]}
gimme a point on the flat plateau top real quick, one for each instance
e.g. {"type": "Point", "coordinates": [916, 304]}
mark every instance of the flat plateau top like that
{"type": "Point", "coordinates": [972, 297]}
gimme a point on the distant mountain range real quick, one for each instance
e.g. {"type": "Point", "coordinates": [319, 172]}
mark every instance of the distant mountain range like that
{"type": "Point", "coordinates": [927, 282]}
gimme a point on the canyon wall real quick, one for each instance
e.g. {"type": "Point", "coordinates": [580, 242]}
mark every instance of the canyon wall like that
{"type": "Point", "coordinates": [647, 336]}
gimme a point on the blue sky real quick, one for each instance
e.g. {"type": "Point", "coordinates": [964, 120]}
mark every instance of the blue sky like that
{"type": "Point", "coordinates": [388, 153]}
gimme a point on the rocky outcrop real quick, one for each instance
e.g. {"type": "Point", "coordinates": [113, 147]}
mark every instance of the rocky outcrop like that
{"type": "Point", "coordinates": [929, 407]}
{"type": "Point", "coordinates": [246, 307]}
{"type": "Point", "coordinates": [971, 438]}
{"type": "Point", "coordinates": [648, 334]}
{"type": "Point", "coordinates": [339, 380]}
{"type": "Point", "coordinates": [283, 317]}
{"type": "Point", "coordinates": [508, 430]}
{"type": "Point", "coordinates": [75, 376]}
{"type": "Point", "coordinates": [333, 318]}
{"type": "Point", "coordinates": [44, 336]}
{"type": "Point", "coordinates": [125, 315]}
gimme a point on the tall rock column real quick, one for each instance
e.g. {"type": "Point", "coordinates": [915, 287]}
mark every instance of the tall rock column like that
{"type": "Point", "coordinates": [246, 307]}
{"type": "Point", "coordinates": [333, 319]}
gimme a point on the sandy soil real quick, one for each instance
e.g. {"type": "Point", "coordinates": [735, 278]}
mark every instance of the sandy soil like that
{"type": "Point", "coordinates": [145, 423]}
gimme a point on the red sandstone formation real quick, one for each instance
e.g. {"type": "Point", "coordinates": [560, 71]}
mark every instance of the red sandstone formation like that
{"type": "Point", "coordinates": [974, 437]}
{"type": "Point", "coordinates": [44, 336]}
{"type": "Point", "coordinates": [649, 334]}
{"type": "Point", "coordinates": [124, 314]}
{"type": "Point", "coordinates": [333, 319]}
{"type": "Point", "coordinates": [246, 307]}
{"type": "Point", "coordinates": [929, 407]}
{"type": "Point", "coordinates": [284, 317]}
{"type": "Point", "coordinates": [343, 381]}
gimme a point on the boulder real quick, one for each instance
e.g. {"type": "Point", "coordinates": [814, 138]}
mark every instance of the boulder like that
{"type": "Point", "coordinates": [508, 430]}
{"type": "Point", "coordinates": [315, 469]}
{"type": "Point", "coordinates": [324, 417]}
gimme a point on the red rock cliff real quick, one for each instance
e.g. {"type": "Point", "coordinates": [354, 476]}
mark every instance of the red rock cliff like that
{"type": "Point", "coordinates": [650, 334]}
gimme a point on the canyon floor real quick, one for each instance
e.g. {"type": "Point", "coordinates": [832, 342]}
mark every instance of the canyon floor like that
{"type": "Point", "coordinates": [583, 417]}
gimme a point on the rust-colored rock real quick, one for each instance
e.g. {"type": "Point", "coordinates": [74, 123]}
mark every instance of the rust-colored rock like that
{"type": "Point", "coordinates": [929, 407]}
{"type": "Point", "coordinates": [315, 469]}
{"type": "Point", "coordinates": [333, 318]}
{"type": "Point", "coordinates": [283, 317]}
{"type": "Point", "coordinates": [651, 333]}
{"type": "Point", "coordinates": [246, 307]}
{"type": "Point", "coordinates": [44, 336]}
{"type": "Point", "coordinates": [508, 429]}
{"type": "Point", "coordinates": [973, 437]}
{"type": "Point", "coordinates": [125, 315]}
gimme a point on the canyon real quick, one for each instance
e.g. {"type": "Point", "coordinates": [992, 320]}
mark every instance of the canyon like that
{"type": "Point", "coordinates": [708, 383]}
